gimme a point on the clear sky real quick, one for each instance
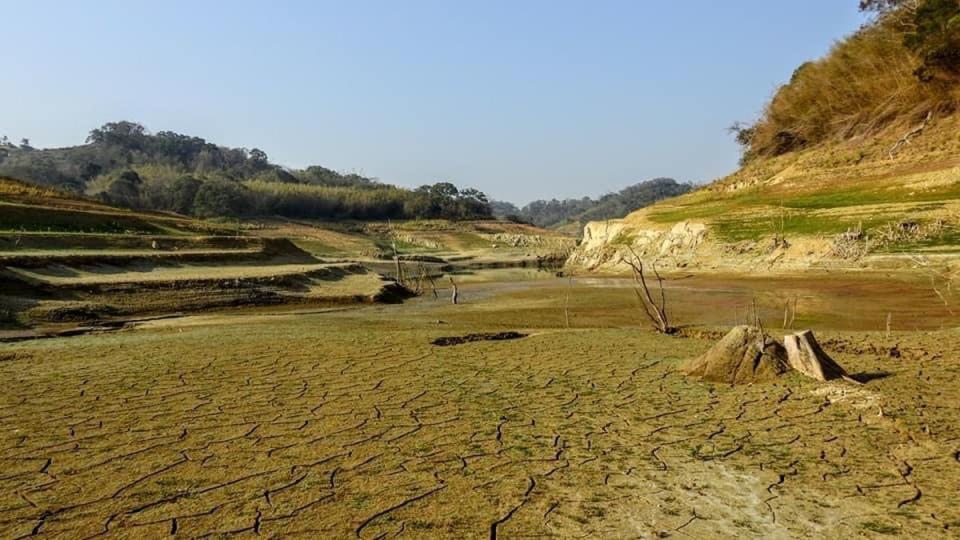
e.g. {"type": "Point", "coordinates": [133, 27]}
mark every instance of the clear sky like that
{"type": "Point", "coordinates": [522, 99]}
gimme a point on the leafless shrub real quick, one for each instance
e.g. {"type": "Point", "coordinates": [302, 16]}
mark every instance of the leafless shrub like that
{"type": "Point", "coordinates": [789, 312]}
{"type": "Point", "coordinates": [655, 311]}
{"type": "Point", "coordinates": [854, 243]}
{"type": "Point", "coordinates": [851, 244]}
{"type": "Point", "coordinates": [423, 278]}
{"type": "Point", "coordinates": [943, 280]}
{"type": "Point", "coordinates": [908, 231]}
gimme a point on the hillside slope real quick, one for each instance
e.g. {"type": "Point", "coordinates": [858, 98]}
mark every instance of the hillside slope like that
{"type": "Point", "coordinates": [850, 166]}
{"type": "Point", "coordinates": [66, 259]}
{"type": "Point", "coordinates": [848, 204]}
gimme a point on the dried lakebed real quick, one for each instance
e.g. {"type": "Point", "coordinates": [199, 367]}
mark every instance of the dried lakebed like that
{"type": "Point", "coordinates": [351, 424]}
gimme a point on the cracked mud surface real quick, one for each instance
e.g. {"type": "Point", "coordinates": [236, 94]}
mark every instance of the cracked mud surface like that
{"type": "Point", "coordinates": [350, 424]}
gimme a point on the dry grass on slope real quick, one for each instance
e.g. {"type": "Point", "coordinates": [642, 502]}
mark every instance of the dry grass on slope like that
{"type": "Point", "coordinates": [867, 83]}
{"type": "Point", "coordinates": [12, 190]}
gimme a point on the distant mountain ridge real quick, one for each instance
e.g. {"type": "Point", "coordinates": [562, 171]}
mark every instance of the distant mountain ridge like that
{"type": "Point", "coordinates": [557, 213]}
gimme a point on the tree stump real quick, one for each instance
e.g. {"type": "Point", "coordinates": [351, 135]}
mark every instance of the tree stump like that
{"type": "Point", "coordinates": [805, 355]}
{"type": "Point", "coordinates": [745, 355]}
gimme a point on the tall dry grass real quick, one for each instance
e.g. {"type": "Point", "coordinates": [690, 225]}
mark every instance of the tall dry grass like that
{"type": "Point", "coordinates": [865, 84]}
{"type": "Point", "coordinates": [18, 188]}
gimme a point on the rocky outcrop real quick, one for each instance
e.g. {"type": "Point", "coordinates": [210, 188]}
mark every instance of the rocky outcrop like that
{"type": "Point", "coordinates": [532, 241]}
{"type": "Point", "coordinates": [606, 242]}
{"type": "Point", "coordinates": [690, 245]}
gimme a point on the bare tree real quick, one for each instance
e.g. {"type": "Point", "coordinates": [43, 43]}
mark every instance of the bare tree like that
{"type": "Point", "coordinates": [656, 312]}
{"type": "Point", "coordinates": [789, 313]}
{"type": "Point", "coordinates": [941, 279]}
{"type": "Point", "coordinates": [396, 255]}
{"type": "Point", "coordinates": [423, 275]}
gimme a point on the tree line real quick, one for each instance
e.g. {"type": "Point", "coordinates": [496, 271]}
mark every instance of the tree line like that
{"type": "Point", "coordinates": [553, 212]}
{"type": "Point", "coordinates": [124, 164]}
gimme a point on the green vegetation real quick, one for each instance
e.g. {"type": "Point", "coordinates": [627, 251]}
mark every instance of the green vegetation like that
{"type": "Point", "coordinates": [736, 230]}
{"type": "Point", "coordinates": [29, 218]}
{"type": "Point", "coordinates": [123, 164]}
{"type": "Point", "coordinates": [880, 528]}
{"type": "Point", "coordinates": [555, 213]}
{"type": "Point", "coordinates": [312, 201]}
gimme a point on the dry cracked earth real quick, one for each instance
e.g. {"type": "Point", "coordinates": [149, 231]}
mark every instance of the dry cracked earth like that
{"type": "Point", "coordinates": [351, 425]}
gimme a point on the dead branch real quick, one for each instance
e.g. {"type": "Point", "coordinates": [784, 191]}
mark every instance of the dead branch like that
{"type": "Point", "coordinates": [656, 312]}
{"type": "Point", "coordinates": [423, 276]}
{"type": "Point", "coordinates": [910, 134]}
{"type": "Point", "coordinates": [757, 321]}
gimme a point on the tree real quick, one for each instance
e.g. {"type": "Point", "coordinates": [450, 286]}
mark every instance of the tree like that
{"type": "Point", "coordinates": [475, 195]}
{"type": "Point", "coordinates": [656, 311]}
{"type": "Point", "coordinates": [932, 31]}
{"type": "Point", "coordinates": [258, 156]}
{"type": "Point", "coordinates": [89, 171]}
{"type": "Point", "coordinates": [126, 134]}
{"type": "Point", "coordinates": [183, 192]}
{"type": "Point", "coordinates": [444, 190]}
{"type": "Point", "coordinates": [125, 189]}
{"type": "Point", "coordinates": [220, 197]}
{"type": "Point", "coordinates": [472, 204]}
{"type": "Point", "coordinates": [880, 6]}
{"type": "Point", "coordinates": [503, 209]}
{"type": "Point", "coordinates": [25, 144]}
{"type": "Point", "coordinates": [936, 39]}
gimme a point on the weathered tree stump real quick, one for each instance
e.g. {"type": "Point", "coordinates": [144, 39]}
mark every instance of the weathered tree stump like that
{"type": "Point", "coordinates": [745, 355]}
{"type": "Point", "coordinates": [805, 355]}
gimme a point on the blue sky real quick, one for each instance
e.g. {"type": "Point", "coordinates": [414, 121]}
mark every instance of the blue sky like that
{"type": "Point", "coordinates": [521, 99]}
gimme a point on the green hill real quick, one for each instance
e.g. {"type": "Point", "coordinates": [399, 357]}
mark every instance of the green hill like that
{"type": "Point", "coordinates": [123, 164]}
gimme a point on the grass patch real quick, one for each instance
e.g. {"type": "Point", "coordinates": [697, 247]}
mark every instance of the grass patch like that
{"type": "Point", "coordinates": [31, 218]}
{"type": "Point", "coordinates": [738, 230]}
{"type": "Point", "coordinates": [674, 214]}
{"type": "Point", "coordinates": [858, 196]}
{"type": "Point", "coordinates": [879, 528]}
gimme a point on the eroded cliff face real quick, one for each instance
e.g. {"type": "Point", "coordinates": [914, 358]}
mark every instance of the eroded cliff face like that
{"type": "Point", "coordinates": [606, 243]}
{"type": "Point", "coordinates": [690, 245]}
{"type": "Point", "coordinates": [535, 242]}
